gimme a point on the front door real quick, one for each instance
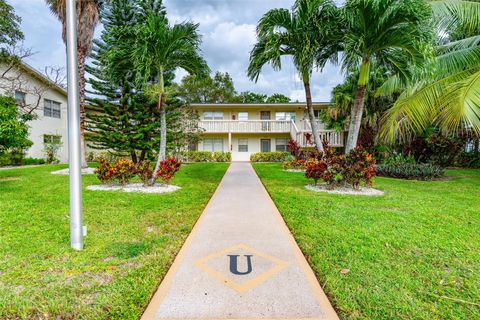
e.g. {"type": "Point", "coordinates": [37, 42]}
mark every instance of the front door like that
{"type": "Point", "coordinates": [265, 115]}
{"type": "Point", "coordinates": [265, 145]}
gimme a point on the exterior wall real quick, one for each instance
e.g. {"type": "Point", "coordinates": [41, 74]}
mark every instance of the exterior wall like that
{"type": "Point", "coordinates": [253, 114]}
{"type": "Point", "coordinates": [41, 125]}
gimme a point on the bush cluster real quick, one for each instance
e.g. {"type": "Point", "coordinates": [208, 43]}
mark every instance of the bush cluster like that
{"type": "Point", "coordinates": [420, 171]}
{"type": "Point", "coordinates": [294, 164]}
{"type": "Point", "coordinates": [270, 157]}
{"type": "Point", "coordinates": [124, 170]}
{"type": "Point", "coordinates": [204, 156]}
{"type": "Point", "coordinates": [335, 169]}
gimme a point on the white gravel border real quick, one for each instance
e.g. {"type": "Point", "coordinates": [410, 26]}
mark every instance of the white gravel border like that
{"type": "Point", "coordinates": [294, 170]}
{"type": "Point", "coordinates": [66, 172]}
{"type": "Point", "coordinates": [363, 191]}
{"type": "Point", "coordinates": [135, 187]}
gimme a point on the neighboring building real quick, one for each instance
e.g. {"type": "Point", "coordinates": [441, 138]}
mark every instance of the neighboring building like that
{"type": "Point", "coordinates": [45, 99]}
{"type": "Point", "coordinates": [243, 129]}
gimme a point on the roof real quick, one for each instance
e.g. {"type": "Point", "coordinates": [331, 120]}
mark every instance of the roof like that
{"type": "Point", "coordinates": [41, 77]}
{"type": "Point", "coordinates": [317, 105]}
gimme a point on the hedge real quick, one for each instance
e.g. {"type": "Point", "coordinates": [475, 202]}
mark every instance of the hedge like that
{"type": "Point", "coordinates": [204, 156]}
{"type": "Point", "coordinates": [270, 156]}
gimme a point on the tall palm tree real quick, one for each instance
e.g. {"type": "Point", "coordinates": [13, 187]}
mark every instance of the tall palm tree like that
{"type": "Point", "coordinates": [389, 32]}
{"type": "Point", "coordinates": [87, 20]}
{"type": "Point", "coordinates": [160, 49]}
{"type": "Point", "coordinates": [308, 34]}
{"type": "Point", "coordinates": [448, 97]}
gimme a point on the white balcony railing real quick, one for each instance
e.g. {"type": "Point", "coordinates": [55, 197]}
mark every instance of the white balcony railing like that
{"type": "Point", "coordinates": [248, 126]}
{"type": "Point", "coordinates": [298, 130]}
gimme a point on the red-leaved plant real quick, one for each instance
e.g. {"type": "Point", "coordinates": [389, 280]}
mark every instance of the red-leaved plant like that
{"type": "Point", "coordinates": [167, 169]}
{"type": "Point", "coordinates": [359, 167]}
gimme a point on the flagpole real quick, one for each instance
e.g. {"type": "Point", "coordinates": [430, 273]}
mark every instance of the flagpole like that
{"type": "Point", "coordinates": [74, 150]}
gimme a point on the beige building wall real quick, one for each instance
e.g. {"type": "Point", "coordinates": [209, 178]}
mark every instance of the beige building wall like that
{"type": "Point", "coordinates": [37, 90]}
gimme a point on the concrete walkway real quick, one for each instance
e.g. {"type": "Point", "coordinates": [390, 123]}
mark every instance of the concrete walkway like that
{"type": "Point", "coordinates": [240, 262]}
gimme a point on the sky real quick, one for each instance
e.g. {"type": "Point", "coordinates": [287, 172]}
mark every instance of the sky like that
{"type": "Point", "coordinates": [228, 34]}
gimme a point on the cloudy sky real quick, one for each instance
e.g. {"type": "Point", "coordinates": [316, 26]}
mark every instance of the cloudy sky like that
{"type": "Point", "coordinates": [228, 29]}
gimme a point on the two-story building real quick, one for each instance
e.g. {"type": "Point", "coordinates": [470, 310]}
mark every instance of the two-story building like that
{"type": "Point", "coordinates": [246, 128]}
{"type": "Point", "coordinates": [46, 100]}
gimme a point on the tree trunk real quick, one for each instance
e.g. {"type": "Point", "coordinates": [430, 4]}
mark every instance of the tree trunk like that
{"type": "Point", "coordinates": [355, 119]}
{"type": "Point", "coordinates": [133, 155]}
{"type": "Point", "coordinates": [163, 129]}
{"type": "Point", "coordinates": [142, 155]}
{"type": "Point", "coordinates": [311, 115]}
{"type": "Point", "coordinates": [81, 87]}
{"type": "Point", "coordinates": [358, 105]}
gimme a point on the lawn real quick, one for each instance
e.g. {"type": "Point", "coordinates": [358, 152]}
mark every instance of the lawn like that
{"type": "Point", "coordinates": [411, 254]}
{"type": "Point", "coordinates": [132, 240]}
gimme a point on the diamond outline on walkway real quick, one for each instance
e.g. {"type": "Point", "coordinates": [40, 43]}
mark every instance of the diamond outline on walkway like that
{"type": "Point", "coordinates": [244, 287]}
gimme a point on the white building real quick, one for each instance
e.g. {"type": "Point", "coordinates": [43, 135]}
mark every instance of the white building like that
{"type": "Point", "coordinates": [45, 99]}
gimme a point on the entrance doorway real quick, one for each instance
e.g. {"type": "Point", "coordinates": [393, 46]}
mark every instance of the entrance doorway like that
{"type": "Point", "coordinates": [265, 145]}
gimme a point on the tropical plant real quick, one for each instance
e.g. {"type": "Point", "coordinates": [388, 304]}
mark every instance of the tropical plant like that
{"type": "Point", "coordinates": [307, 34]}
{"type": "Point", "coordinates": [13, 129]}
{"type": "Point", "coordinates": [159, 49]}
{"type": "Point", "coordinates": [88, 12]}
{"type": "Point", "coordinates": [10, 32]}
{"type": "Point", "coordinates": [167, 169]}
{"type": "Point", "coordinates": [448, 96]}
{"type": "Point", "coordinates": [391, 33]}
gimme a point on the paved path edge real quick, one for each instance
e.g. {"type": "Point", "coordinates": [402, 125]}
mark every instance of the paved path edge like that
{"type": "Point", "coordinates": [160, 293]}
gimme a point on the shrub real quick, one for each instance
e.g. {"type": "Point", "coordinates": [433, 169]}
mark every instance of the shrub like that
{"type": "Point", "coordinates": [222, 156]}
{"type": "Point", "coordinates": [294, 164]}
{"type": "Point", "coordinates": [144, 172]}
{"type": "Point", "coordinates": [104, 171]}
{"type": "Point", "coordinates": [34, 161]}
{"type": "Point", "coordinates": [270, 156]}
{"type": "Point", "coordinates": [359, 168]}
{"type": "Point", "coordinates": [124, 170]}
{"type": "Point", "coordinates": [12, 157]}
{"type": "Point", "coordinates": [51, 152]}
{"type": "Point", "coordinates": [420, 171]}
{"type": "Point", "coordinates": [316, 170]}
{"type": "Point", "coordinates": [399, 159]}
{"type": "Point", "coordinates": [168, 168]}
{"type": "Point", "coordinates": [468, 160]}
{"type": "Point", "coordinates": [294, 148]}
{"type": "Point", "coordinates": [203, 156]}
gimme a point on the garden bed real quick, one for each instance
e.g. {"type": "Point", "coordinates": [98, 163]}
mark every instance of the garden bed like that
{"type": "Point", "coordinates": [362, 191]}
{"type": "Point", "coordinates": [135, 187]}
{"type": "Point", "coordinates": [66, 172]}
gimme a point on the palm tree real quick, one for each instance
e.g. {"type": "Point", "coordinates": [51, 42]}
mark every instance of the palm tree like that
{"type": "Point", "coordinates": [87, 20]}
{"type": "Point", "coordinates": [386, 32]}
{"type": "Point", "coordinates": [449, 96]}
{"type": "Point", "coordinates": [160, 49]}
{"type": "Point", "coordinates": [308, 34]}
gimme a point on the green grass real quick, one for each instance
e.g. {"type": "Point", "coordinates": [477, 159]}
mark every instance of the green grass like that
{"type": "Point", "coordinates": [132, 240]}
{"type": "Point", "coordinates": [412, 254]}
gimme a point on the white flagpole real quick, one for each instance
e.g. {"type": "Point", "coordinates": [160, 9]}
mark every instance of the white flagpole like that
{"type": "Point", "coordinates": [76, 223]}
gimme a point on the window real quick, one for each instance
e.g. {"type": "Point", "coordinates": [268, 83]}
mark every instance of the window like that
{"type": "Point", "coordinates": [242, 145]}
{"type": "Point", "coordinates": [279, 116]}
{"type": "Point", "coordinates": [243, 116]}
{"type": "Point", "coordinates": [213, 115]}
{"type": "Point", "coordinates": [52, 109]}
{"type": "Point", "coordinates": [20, 98]}
{"type": "Point", "coordinates": [317, 114]}
{"type": "Point", "coordinates": [52, 139]}
{"type": "Point", "coordinates": [281, 145]}
{"type": "Point", "coordinates": [213, 145]}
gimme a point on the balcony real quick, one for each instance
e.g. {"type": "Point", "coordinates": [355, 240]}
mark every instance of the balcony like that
{"type": "Point", "coordinates": [248, 126]}
{"type": "Point", "coordinates": [296, 129]}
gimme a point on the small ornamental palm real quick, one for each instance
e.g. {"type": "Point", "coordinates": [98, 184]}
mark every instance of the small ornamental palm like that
{"type": "Point", "coordinates": [391, 33]}
{"type": "Point", "coordinates": [309, 34]}
{"type": "Point", "coordinates": [160, 49]}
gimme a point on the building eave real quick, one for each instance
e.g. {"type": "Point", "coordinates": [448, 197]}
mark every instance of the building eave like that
{"type": "Point", "coordinates": [297, 105]}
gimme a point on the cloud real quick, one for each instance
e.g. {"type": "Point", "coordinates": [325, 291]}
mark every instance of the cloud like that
{"type": "Point", "coordinates": [228, 30]}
